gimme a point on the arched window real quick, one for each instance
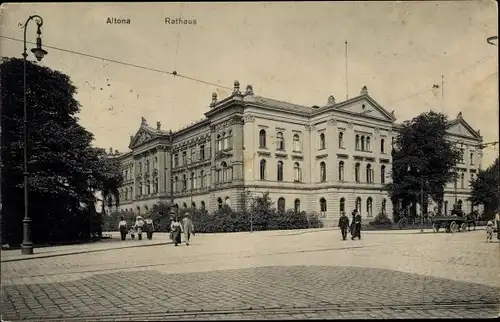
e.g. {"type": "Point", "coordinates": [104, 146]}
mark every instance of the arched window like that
{"type": "Point", "coordinates": [176, 184]}
{"type": "Point", "coordinates": [341, 139]}
{"type": "Point", "coordinates": [281, 204]}
{"type": "Point", "coordinates": [382, 146]}
{"type": "Point", "coordinates": [358, 204]}
{"type": "Point", "coordinates": [155, 185]}
{"type": "Point", "coordinates": [224, 171]}
{"type": "Point", "coordinates": [369, 204]}
{"type": "Point", "coordinates": [297, 172]}
{"type": "Point", "coordinates": [384, 206]}
{"type": "Point", "coordinates": [147, 166]}
{"type": "Point", "coordinates": [184, 205]}
{"type": "Point", "coordinates": [446, 207]}
{"type": "Point", "coordinates": [368, 144]}
{"type": "Point", "coordinates": [219, 203]}
{"type": "Point", "coordinates": [362, 143]}
{"type": "Point", "coordinates": [341, 171]}
{"type": "Point", "coordinates": [262, 169]}
{"type": "Point", "coordinates": [322, 205]}
{"type": "Point", "coordinates": [357, 142]}
{"type": "Point", "coordinates": [280, 141]}
{"type": "Point", "coordinates": [322, 142]}
{"type": "Point", "coordinates": [193, 181]}
{"type": "Point", "coordinates": [356, 172]}
{"type": "Point", "coordinates": [202, 207]}
{"type": "Point", "coordinates": [262, 139]}
{"type": "Point", "coordinates": [218, 143]}
{"type": "Point", "coordinates": [369, 177]}
{"type": "Point", "coordinates": [280, 171]}
{"type": "Point", "coordinates": [462, 181]}
{"type": "Point", "coordinates": [471, 158]}
{"type": "Point", "coordinates": [342, 205]}
{"type": "Point", "coordinates": [148, 187]}
{"type": "Point", "coordinates": [382, 174]}
{"type": "Point", "coordinates": [322, 172]}
{"type": "Point", "coordinates": [193, 205]}
{"type": "Point", "coordinates": [139, 167]}
{"type": "Point", "coordinates": [296, 205]}
{"type": "Point", "coordinates": [460, 204]}
{"type": "Point", "coordinates": [296, 143]}
{"type": "Point", "coordinates": [471, 179]}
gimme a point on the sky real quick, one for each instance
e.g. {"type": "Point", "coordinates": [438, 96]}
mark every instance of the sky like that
{"type": "Point", "coordinates": [290, 51]}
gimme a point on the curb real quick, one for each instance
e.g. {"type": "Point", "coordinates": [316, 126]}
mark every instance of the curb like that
{"type": "Point", "coordinates": [83, 252]}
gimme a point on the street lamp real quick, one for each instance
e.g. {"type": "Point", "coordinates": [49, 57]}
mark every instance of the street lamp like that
{"type": "Point", "coordinates": [490, 40]}
{"type": "Point", "coordinates": [27, 245]}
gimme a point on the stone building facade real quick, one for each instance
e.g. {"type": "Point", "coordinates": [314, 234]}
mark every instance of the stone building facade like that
{"type": "Point", "coordinates": [324, 159]}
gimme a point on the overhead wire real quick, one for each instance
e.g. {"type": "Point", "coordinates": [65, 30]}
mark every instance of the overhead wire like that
{"type": "Point", "coordinates": [453, 77]}
{"type": "Point", "coordinates": [74, 52]}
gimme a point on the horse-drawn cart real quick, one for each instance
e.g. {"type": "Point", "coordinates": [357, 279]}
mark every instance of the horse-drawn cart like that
{"type": "Point", "coordinates": [456, 222]}
{"type": "Point", "coordinates": [451, 224]}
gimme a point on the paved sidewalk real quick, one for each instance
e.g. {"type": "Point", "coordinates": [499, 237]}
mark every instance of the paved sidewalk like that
{"type": "Point", "coordinates": [290, 274]}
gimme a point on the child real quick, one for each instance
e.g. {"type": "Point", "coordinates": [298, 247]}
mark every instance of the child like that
{"type": "Point", "coordinates": [489, 231]}
{"type": "Point", "coordinates": [132, 232]}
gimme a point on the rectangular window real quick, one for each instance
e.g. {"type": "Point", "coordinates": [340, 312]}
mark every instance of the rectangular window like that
{"type": "Point", "coordinates": [193, 155]}
{"type": "Point", "coordinates": [176, 160]}
{"type": "Point", "coordinates": [202, 152]}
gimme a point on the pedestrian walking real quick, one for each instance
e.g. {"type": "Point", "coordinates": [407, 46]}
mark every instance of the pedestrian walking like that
{"type": "Point", "coordinates": [187, 227]}
{"type": "Point", "coordinates": [352, 227]}
{"type": "Point", "coordinates": [122, 226]}
{"type": "Point", "coordinates": [489, 231]}
{"type": "Point", "coordinates": [343, 225]}
{"type": "Point", "coordinates": [357, 225]}
{"type": "Point", "coordinates": [149, 228]}
{"type": "Point", "coordinates": [139, 224]}
{"type": "Point", "coordinates": [176, 229]}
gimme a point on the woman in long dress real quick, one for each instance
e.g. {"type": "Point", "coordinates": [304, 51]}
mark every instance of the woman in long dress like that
{"type": "Point", "coordinates": [176, 229]}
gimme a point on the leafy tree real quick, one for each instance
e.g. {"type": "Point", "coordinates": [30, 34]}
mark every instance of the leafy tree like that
{"type": "Point", "coordinates": [64, 169]}
{"type": "Point", "coordinates": [485, 189]}
{"type": "Point", "coordinates": [422, 154]}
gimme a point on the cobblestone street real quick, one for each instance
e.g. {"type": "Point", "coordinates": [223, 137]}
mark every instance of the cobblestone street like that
{"type": "Point", "coordinates": [270, 275]}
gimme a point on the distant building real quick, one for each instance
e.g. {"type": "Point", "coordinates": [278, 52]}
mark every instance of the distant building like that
{"type": "Point", "coordinates": [325, 159]}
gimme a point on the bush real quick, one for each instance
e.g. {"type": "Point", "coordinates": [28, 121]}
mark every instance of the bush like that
{"type": "Point", "coordinates": [381, 220]}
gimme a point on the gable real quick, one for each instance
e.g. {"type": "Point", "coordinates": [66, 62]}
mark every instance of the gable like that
{"type": "Point", "coordinates": [142, 136]}
{"type": "Point", "coordinates": [365, 105]}
{"type": "Point", "coordinates": [460, 128]}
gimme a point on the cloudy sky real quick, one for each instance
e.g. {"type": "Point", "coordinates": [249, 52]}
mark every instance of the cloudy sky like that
{"type": "Point", "coordinates": [287, 51]}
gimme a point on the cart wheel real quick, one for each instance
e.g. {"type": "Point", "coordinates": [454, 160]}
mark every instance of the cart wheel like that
{"type": "Point", "coordinates": [435, 227]}
{"type": "Point", "coordinates": [453, 227]}
{"type": "Point", "coordinates": [463, 227]}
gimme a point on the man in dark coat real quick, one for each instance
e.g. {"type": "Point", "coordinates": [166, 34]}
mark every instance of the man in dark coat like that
{"type": "Point", "coordinates": [343, 225]}
{"type": "Point", "coordinates": [357, 226]}
{"type": "Point", "coordinates": [352, 226]}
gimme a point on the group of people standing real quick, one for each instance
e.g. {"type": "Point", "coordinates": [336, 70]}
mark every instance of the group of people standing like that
{"type": "Point", "coordinates": [177, 228]}
{"type": "Point", "coordinates": [138, 227]}
{"type": "Point", "coordinates": [353, 225]}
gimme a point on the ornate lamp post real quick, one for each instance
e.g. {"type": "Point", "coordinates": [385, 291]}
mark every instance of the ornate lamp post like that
{"type": "Point", "coordinates": [27, 245]}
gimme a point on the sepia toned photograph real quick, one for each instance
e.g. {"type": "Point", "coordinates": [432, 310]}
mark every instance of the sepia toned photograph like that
{"type": "Point", "coordinates": [249, 161]}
